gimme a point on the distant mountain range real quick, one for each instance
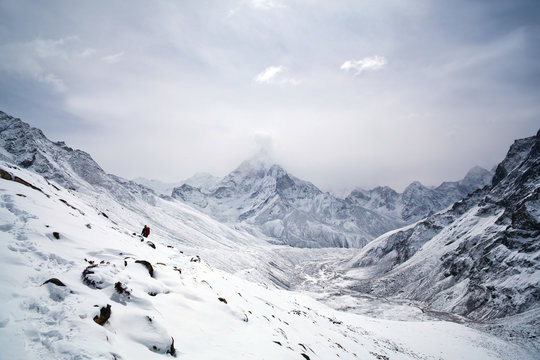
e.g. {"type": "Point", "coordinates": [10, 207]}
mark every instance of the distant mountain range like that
{"type": "Point", "coordinates": [295, 212]}
{"type": "Point", "coordinates": [259, 195]}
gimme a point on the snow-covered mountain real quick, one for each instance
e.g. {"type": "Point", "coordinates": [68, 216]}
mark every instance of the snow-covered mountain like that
{"type": "Point", "coordinates": [294, 212]}
{"type": "Point", "coordinates": [77, 282]}
{"type": "Point", "coordinates": [297, 213]}
{"type": "Point", "coordinates": [78, 285]}
{"type": "Point", "coordinates": [28, 148]}
{"type": "Point", "coordinates": [479, 259]}
{"type": "Point", "coordinates": [418, 201]}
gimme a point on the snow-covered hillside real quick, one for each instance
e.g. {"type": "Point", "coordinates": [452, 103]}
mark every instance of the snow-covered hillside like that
{"type": "Point", "coordinates": [220, 290]}
{"type": "Point", "coordinates": [79, 283]}
{"type": "Point", "coordinates": [479, 259]}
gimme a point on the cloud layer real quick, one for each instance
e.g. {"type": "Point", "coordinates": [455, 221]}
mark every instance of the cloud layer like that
{"type": "Point", "coordinates": [348, 93]}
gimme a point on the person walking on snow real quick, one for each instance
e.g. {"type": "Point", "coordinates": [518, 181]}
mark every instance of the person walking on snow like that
{"type": "Point", "coordinates": [145, 231]}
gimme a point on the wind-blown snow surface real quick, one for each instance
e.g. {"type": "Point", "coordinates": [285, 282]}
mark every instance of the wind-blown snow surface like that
{"type": "Point", "coordinates": [96, 256]}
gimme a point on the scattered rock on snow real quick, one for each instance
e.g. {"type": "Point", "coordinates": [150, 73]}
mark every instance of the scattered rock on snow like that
{"type": "Point", "coordinates": [121, 289]}
{"type": "Point", "coordinates": [379, 356]}
{"type": "Point", "coordinates": [104, 315]}
{"type": "Point", "coordinates": [222, 299]}
{"type": "Point", "coordinates": [87, 279]}
{"type": "Point", "coordinates": [148, 266]}
{"type": "Point", "coordinates": [151, 244]}
{"type": "Point", "coordinates": [54, 281]}
{"type": "Point", "coordinates": [172, 350]}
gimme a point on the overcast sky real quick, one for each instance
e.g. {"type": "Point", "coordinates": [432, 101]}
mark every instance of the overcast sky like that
{"type": "Point", "coordinates": [344, 93]}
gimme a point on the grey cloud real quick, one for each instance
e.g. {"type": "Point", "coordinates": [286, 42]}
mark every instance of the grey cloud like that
{"type": "Point", "coordinates": [178, 92]}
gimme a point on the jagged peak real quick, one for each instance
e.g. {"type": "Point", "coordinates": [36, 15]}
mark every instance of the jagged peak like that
{"type": "Point", "coordinates": [415, 185]}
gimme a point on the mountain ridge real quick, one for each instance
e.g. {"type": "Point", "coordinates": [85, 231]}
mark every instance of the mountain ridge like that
{"type": "Point", "coordinates": [479, 258]}
{"type": "Point", "coordinates": [297, 213]}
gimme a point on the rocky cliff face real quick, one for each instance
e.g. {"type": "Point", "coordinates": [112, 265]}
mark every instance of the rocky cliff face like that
{"type": "Point", "coordinates": [28, 148]}
{"type": "Point", "coordinates": [480, 258]}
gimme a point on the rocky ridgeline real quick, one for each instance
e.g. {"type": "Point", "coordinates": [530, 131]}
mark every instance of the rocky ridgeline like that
{"type": "Point", "coordinates": [479, 258]}
{"type": "Point", "coordinates": [28, 148]}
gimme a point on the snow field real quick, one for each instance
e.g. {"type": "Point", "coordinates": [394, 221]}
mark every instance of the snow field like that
{"type": "Point", "coordinates": [149, 311]}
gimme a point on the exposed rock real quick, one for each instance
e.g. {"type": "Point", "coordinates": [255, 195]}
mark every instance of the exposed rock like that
{"type": "Point", "coordinates": [104, 315]}
{"type": "Point", "coordinates": [56, 235]}
{"type": "Point", "coordinates": [87, 278]}
{"type": "Point", "coordinates": [147, 265]}
{"type": "Point", "coordinates": [54, 281]}
{"type": "Point", "coordinates": [222, 300]}
{"type": "Point", "coordinates": [172, 350]}
{"type": "Point", "coordinates": [121, 289]}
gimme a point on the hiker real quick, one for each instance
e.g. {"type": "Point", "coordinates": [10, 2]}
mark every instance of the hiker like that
{"type": "Point", "coordinates": [145, 231]}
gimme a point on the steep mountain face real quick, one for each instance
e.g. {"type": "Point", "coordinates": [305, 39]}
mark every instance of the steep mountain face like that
{"type": "Point", "coordinates": [479, 259]}
{"type": "Point", "coordinates": [418, 201]}
{"type": "Point", "coordinates": [28, 148]}
{"type": "Point", "coordinates": [290, 210]}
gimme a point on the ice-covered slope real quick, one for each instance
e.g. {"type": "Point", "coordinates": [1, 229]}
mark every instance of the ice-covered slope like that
{"type": "Point", "coordinates": [76, 284]}
{"type": "Point", "coordinates": [291, 211]}
{"type": "Point", "coordinates": [481, 258]}
{"type": "Point", "coordinates": [418, 201]}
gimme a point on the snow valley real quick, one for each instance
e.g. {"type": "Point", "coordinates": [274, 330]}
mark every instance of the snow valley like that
{"type": "Point", "coordinates": [263, 265]}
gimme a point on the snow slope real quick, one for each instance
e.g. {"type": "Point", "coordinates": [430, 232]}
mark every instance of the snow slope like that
{"type": "Point", "coordinates": [185, 307]}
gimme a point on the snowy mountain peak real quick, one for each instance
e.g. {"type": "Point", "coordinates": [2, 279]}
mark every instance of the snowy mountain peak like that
{"type": "Point", "coordinates": [477, 175]}
{"type": "Point", "coordinates": [415, 186]}
{"type": "Point", "coordinates": [262, 160]}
